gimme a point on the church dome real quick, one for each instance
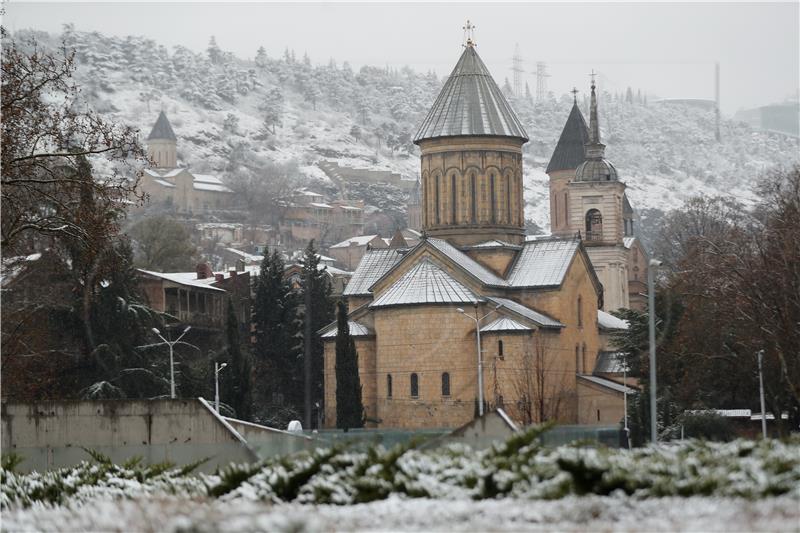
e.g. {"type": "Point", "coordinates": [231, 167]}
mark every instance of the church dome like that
{"type": "Point", "coordinates": [470, 104]}
{"type": "Point", "coordinates": [599, 169]}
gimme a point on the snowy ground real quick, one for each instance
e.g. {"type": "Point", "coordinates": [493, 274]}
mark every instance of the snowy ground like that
{"type": "Point", "coordinates": [569, 514]}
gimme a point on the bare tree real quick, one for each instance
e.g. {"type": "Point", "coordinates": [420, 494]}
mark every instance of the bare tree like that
{"type": "Point", "coordinates": [536, 382]}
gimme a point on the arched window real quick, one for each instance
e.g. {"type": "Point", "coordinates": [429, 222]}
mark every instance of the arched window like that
{"type": "Point", "coordinates": [580, 312]}
{"type": "Point", "coordinates": [594, 225]}
{"type": "Point", "coordinates": [507, 186]}
{"type": "Point", "coordinates": [583, 358]}
{"type": "Point", "coordinates": [388, 385]}
{"type": "Point", "coordinates": [492, 199]}
{"type": "Point", "coordinates": [577, 359]}
{"type": "Point", "coordinates": [453, 219]}
{"type": "Point", "coordinates": [566, 211]}
{"type": "Point", "coordinates": [446, 384]}
{"type": "Point", "coordinates": [473, 198]}
{"type": "Point", "coordinates": [414, 386]}
{"type": "Point", "coordinates": [436, 201]}
{"type": "Point", "coordinates": [500, 349]}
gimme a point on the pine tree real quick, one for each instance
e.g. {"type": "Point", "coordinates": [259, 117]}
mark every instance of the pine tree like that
{"type": "Point", "coordinates": [239, 389]}
{"type": "Point", "coordinates": [349, 406]}
{"type": "Point", "coordinates": [316, 291]}
{"type": "Point", "coordinates": [261, 58]}
{"type": "Point", "coordinates": [273, 109]}
{"type": "Point", "coordinates": [214, 52]}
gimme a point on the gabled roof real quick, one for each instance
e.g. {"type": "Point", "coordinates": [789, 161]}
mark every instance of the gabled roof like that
{"type": "Point", "coordinates": [188, 279]}
{"type": "Point", "coordinates": [472, 267]}
{"type": "Point", "coordinates": [505, 324]}
{"type": "Point", "coordinates": [627, 209]}
{"type": "Point", "coordinates": [534, 316]}
{"type": "Point", "coordinates": [470, 103]}
{"type": "Point", "coordinates": [543, 263]}
{"type": "Point", "coordinates": [494, 243]}
{"type": "Point", "coordinates": [356, 330]}
{"type": "Point", "coordinates": [425, 283]}
{"type": "Point", "coordinates": [607, 383]}
{"type": "Point", "coordinates": [372, 267]}
{"type": "Point", "coordinates": [570, 150]}
{"type": "Point", "coordinates": [162, 129]}
{"type": "Point", "coordinates": [608, 322]}
{"type": "Point", "coordinates": [360, 240]}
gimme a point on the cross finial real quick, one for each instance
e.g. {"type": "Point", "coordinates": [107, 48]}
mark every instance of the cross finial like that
{"type": "Point", "coordinates": [593, 74]}
{"type": "Point", "coordinates": [469, 34]}
{"type": "Point", "coordinates": [574, 92]}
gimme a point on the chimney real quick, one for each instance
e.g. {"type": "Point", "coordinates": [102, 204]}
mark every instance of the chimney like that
{"type": "Point", "coordinates": [219, 277]}
{"type": "Point", "coordinates": [232, 272]}
{"type": "Point", "coordinates": [204, 271]}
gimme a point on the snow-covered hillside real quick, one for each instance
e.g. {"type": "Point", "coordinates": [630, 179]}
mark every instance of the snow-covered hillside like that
{"type": "Point", "coordinates": [236, 115]}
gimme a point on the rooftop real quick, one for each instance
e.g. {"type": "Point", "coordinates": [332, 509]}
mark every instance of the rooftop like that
{"type": "Point", "coordinates": [535, 316]}
{"type": "Point", "coordinates": [162, 129]}
{"type": "Point", "coordinates": [607, 321]}
{"type": "Point", "coordinates": [570, 151]}
{"type": "Point", "coordinates": [425, 283]}
{"type": "Point", "coordinates": [505, 324]}
{"type": "Point", "coordinates": [373, 266]}
{"type": "Point", "coordinates": [470, 103]}
{"type": "Point", "coordinates": [543, 263]}
{"type": "Point", "coordinates": [356, 330]}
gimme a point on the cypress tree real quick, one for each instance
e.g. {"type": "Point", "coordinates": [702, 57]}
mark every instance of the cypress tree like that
{"type": "Point", "coordinates": [349, 407]}
{"type": "Point", "coordinates": [239, 389]}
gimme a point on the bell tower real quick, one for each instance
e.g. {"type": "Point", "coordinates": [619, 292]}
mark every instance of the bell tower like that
{"type": "Point", "coordinates": [471, 163]}
{"type": "Point", "coordinates": [162, 143]}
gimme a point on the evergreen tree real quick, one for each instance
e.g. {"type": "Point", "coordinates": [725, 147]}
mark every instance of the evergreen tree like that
{"type": "Point", "coordinates": [349, 406]}
{"type": "Point", "coordinates": [318, 312]}
{"type": "Point", "coordinates": [214, 51]}
{"type": "Point", "coordinates": [239, 375]}
{"type": "Point", "coordinates": [273, 109]}
{"type": "Point", "coordinates": [261, 58]}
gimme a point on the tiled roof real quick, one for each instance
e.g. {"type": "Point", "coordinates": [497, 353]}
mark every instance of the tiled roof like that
{"type": "Point", "coordinates": [356, 330]}
{"type": "Point", "coordinates": [570, 151]}
{"type": "Point", "coordinates": [470, 103]}
{"type": "Point", "coordinates": [543, 263]}
{"type": "Point", "coordinates": [162, 129]}
{"type": "Point", "coordinates": [535, 316]}
{"type": "Point", "coordinates": [472, 267]}
{"type": "Point", "coordinates": [373, 265]}
{"type": "Point", "coordinates": [425, 283]}
{"type": "Point", "coordinates": [494, 243]}
{"type": "Point", "coordinates": [608, 321]}
{"type": "Point", "coordinates": [607, 383]}
{"type": "Point", "coordinates": [609, 363]}
{"type": "Point", "coordinates": [505, 324]}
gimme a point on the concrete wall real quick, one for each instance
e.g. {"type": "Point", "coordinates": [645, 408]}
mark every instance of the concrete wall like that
{"type": "Point", "coordinates": [269, 442]}
{"type": "Point", "coordinates": [52, 434]}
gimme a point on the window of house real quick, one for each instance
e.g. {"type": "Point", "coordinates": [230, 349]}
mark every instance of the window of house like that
{"type": "Point", "coordinates": [583, 358]}
{"type": "Point", "coordinates": [577, 360]}
{"type": "Point", "coordinates": [414, 386]}
{"type": "Point", "coordinates": [446, 384]}
{"type": "Point", "coordinates": [500, 349]}
{"type": "Point", "coordinates": [500, 401]}
{"type": "Point", "coordinates": [388, 385]}
{"type": "Point", "coordinates": [580, 312]}
{"type": "Point", "coordinates": [598, 415]}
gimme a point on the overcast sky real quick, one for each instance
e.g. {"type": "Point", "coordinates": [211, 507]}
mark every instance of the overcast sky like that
{"type": "Point", "coordinates": [667, 49]}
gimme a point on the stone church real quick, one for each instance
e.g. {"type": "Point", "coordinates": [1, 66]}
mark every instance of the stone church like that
{"type": "Point", "coordinates": [413, 312]}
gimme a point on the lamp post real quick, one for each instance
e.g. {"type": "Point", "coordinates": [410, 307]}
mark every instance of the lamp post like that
{"type": "Point", "coordinates": [761, 394]}
{"type": "Point", "coordinates": [171, 344]}
{"type": "Point", "coordinates": [217, 369]}
{"type": "Point", "coordinates": [480, 357]}
{"type": "Point", "coordinates": [651, 305]}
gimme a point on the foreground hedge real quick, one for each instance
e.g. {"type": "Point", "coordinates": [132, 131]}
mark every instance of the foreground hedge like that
{"type": "Point", "coordinates": [519, 468]}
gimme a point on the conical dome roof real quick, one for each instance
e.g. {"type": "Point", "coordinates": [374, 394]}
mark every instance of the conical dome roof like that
{"type": "Point", "coordinates": [570, 151]}
{"type": "Point", "coordinates": [162, 129]}
{"type": "Point", "coordinates": [470, 103]}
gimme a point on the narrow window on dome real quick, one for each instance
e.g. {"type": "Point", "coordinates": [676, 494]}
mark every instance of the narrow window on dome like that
{"type": "Point", "coordinates": [473, 199]}
{"type": "Point", "coordinates": [414, 386]}
{"type": "Point", "coordinates": [493, 215]}
{"type": "Point", "coordinates": [446, 384]}
{"type": "Point", "coordinates": [453, 199]}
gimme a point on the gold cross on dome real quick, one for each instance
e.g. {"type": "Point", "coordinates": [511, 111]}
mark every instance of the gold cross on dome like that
{"type": "Point", "coordinates": [469, 34]}
{"type": "Point", "coordinates": [593, 74]}
{"type": "Point", "coordinates": [574, 92]}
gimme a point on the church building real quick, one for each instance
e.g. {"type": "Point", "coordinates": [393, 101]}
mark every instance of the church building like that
{"type": "Point", "coordinates": [476, 310]}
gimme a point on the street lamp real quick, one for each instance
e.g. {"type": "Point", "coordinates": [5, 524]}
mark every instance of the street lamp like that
{"type": "Point", "coordinates": [217, 369]}
{"type": "Point", "coordinates": [480, 358]}
{"type": "Point", "coordinates": [651, 305]}
{"type": "Point", "coordinates": [171, 344]}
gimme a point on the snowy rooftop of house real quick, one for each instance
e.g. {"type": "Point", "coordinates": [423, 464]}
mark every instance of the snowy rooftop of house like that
{"type": "Point", "coordinates": [609, 363]}
{"type": "Point", "coordinates": [321, 206]}
{"type": "Point", "coordinates": [570, 151]}
{"type": "Point", "coordinates": [356, 330]}
{"type": "Point", "coordinates": [162, 129]}
{"type": "Point", "coordinates": [164, 183]}
{"type": "Point", "coordinates": [184, 278]}
{"type": "Point", "coordinates": [607, 383]}
{"type": "Point", "coordinates": [425, 283]}
{"type": "Point", "coordinates": [251, 258]}
{"type": "Point", "coordinates": [535, 316]}
{"type": "Point", "coordinates": [608, 321]}
{"type": "Point", "coordinates": [543, 263]}
{"type": "Point", "coordinates": [470, 103]}
{"type": "Point", "coordinates": [14, 266]}
{"type": "Point", "coordinates": [219, 225]}
{"type": "Point", "coordinates": [505, 324]}
{"type": "Point", "coordinates": [361, 240]}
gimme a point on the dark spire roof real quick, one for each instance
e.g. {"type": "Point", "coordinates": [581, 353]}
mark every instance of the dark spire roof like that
{"type": "Point", "coordinates": [162, 129]}
{"type": "Point", "coordinates": [470, 103]}
{"type": "Point", "coordinates": [571, 148]}
{"type": "Point", "coordinates": [596, 167]}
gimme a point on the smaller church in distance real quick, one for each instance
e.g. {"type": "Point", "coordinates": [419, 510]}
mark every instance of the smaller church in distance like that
{"type": "Point", "coordinates": [540, 302]}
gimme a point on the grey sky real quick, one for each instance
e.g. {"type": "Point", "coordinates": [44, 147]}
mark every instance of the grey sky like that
{"type": "Point", "coordinates": [667, 49]}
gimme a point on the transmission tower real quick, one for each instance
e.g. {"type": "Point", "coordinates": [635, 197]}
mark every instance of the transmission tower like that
{"type": "Point", "coordinates": [541, 80]}
{"type": "Point", "coordinates": [517, 68]}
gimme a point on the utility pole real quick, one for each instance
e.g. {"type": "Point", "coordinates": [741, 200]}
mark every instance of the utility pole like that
{"type": "Point", "coordinates": [307, 352]}
{"type": "Point", "coordinates": [761, 394]}
{"type": "Point", "coordinates": [517, 68]}
{"type": "Point", "coordinates": [171, 345]}
{"type": "Point", "coordinates": [651, 299]}
{"type": "Point", "coordinates": [480, 355]}
{"type": "Point", "coordinates": [541, 80]}
{"type": "Point", "coordinates": [217, 369]}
